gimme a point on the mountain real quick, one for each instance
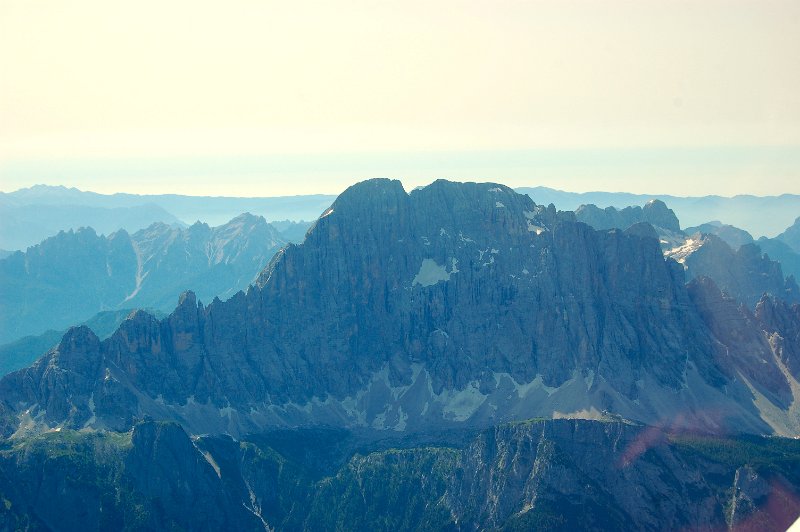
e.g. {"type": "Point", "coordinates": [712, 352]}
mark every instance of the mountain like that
{"type": "Point", "coordinates": [722, 252]}
{"type": "Point", "coordinates": [456, 358]}
{"type": "Point", "coordinates": [291, 231]}
{"type": "Point", "coordinates": [733, 236]}
{"type": "Point", "coordinates": [744, 211]}
{"type": "Point", "coordinates": [774, 249]}
{"type": "Point", "coordinates": [532, 475]}
{"type": "Point", "coordinates": [26, 225]}
{"type": "Point", "coordinates": [791, 236]}
{"type": "Point", "coordinates": [70, 277]}
{"type": "Point", "coordinates": [741, 211]}
{"type": "Point", "coordinates": [781, 252]}
{"type": "Point", "coordinates": [746, 274]}
{"type": "Point", "coordinates": [212, 210]}
{"type": "Point", "coordinates": [457, 305]}
{"type": "Point", "coordinates": [24, 352]}
{"type": "Point", "coordinates": [654, 212]}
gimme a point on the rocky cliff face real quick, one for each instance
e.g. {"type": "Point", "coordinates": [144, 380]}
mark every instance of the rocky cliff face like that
{"type": "Point", "coordinates": [781, 322]}
{"type": "Point", "coordinates": [455, 305]}
{"type": "Point", "coordinates": [151, 478]}
{"type": "Point", "coordinates": [543, 475]}
{"type": "Point", "coordinates": [74, 275]}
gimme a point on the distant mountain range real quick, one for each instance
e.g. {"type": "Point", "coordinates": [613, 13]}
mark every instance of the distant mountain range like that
{"type": "Point", "coordinates": [455, 358]}
{"type": "Point", "coordinates": [29, 215]}
{"type": "Point", "coordinates": [72, 276]}
{"type": "Point", "coordinates": [26, 225]}
{"type": "Point", "coordinates": [746, 212]}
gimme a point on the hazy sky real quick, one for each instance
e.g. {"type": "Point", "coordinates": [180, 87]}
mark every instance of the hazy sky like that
{"type": "Point", "coordinates": [271, 98]}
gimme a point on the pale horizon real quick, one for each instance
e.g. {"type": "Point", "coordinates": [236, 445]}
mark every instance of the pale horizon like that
{"type": "Point", "coordinates": [267, 98]}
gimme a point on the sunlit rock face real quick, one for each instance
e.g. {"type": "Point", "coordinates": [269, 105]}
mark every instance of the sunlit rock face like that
{"type": "Point", "coordinates": [454, 305]}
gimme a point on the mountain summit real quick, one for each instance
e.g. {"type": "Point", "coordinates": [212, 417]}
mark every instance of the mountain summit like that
{"type": "Point", "coordinates": [454, 305]}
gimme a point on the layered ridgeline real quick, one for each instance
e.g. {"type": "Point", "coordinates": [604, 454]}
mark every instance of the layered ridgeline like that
{"type": "Point", "coordinates": [455, 305]}
{"type": "Point", "coordinates": [32, 214]}
{"type": "Point", "coordinates": [791, 236]}
{"type": "Point", "coordinates": [655, 212]}
{"type": "Point", "coordinates": [24, 352]}
{"type": "Point", "coordinates": [74, 275]}
{"type": "Point", "coordinates": [747, 212]}
{"type": "Point", "coordinates": [745, 273]}
{"type": "Point", "coordinates": [25, 225]}
{"type": "Point", "coordinates": [741, 267]}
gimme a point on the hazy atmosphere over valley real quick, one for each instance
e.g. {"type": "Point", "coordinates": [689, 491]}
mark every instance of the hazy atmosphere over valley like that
{"type": "Point", "coordinates": [351, 265]}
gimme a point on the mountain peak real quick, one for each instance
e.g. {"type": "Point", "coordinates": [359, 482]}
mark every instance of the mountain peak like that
{"type": "Point", "coordinates": [249, 218]}
{"type": "Point", "coordinates": [369, 194]}
{"type": "Point", "coordinates": [187, 299]}
{"type": "Point", "coordinates": [78, 337]}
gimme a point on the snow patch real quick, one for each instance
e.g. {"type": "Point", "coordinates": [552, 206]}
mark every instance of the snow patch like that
{"type": "Point", "coordinates": [590, 413]}
{"type": "Point", "coordinates": [533, 228]}
{"type": "Point", "coordinates": [454, 266]}
{"type": "Point", "coordinates": [212, 463]}
{"type": "Point", "coordinates": [682, 252]}
{"type": "Point", "coordinates": [401, 424]}
{"type": "Point", "coordinates": [463, 238]}
{"type": "Point", "coordinates": [431, 273]}
{"type": "Point", "coordinates": [91, 421]}
{"type": "Point", "coordinates": [380, 421]}
{"type": "Point", "coordinates": [498, 205]}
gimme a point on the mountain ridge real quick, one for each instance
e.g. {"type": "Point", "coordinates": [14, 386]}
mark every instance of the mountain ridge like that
{"type": "Point", "coordinates": [376, 321]}
{"type": "Point", "coordinates": [75, 274]}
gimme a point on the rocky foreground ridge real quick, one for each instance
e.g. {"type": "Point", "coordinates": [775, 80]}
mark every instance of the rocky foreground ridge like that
{"type": "Point", "coordinates": [457, 305]}
{"type": "Point", "coordinates": [533, 475]}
